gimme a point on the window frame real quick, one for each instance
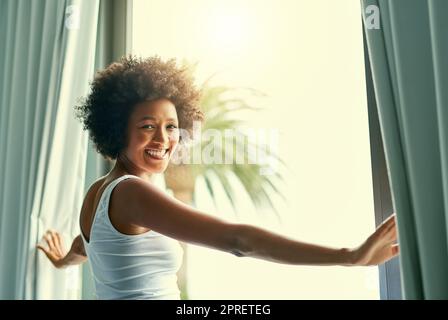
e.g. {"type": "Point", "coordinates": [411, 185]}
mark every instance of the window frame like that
{"type": "Point", "coordinates": [389, 273]}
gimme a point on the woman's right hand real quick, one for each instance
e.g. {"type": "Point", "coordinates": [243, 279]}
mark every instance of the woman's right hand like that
{"type": "Point", "coordinates": [380, 247]}
{"type": "Point", "coordinates": [55, 251]}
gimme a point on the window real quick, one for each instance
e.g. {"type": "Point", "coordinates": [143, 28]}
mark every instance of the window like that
{"type": "Point", "coordinates": [307, 56]}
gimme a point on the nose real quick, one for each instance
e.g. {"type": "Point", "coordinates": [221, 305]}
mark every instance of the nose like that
{"type": "Point", "coordinates": [161, 136]}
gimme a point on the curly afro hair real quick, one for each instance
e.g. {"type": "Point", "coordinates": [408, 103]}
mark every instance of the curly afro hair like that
{"type": "Point", "coordinates": [118, 88]}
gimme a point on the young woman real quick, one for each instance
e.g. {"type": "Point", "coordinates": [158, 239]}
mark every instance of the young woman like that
{"type": "Point", "coordinates": [129, 228]}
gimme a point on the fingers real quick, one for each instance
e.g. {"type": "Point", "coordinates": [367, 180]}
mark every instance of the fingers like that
{"type": "Point", "coordinates": [54, 243]}
{"type": "Point", "coordinates": [387, 233]}
{"type": "Point", "coordinates": [391, 234]}
{"type": "Point", "coordinates": [46, 251]}
{"type": "Point", "coordinates": [42, 248]}
{"type": "Point", "coordinates": [49, 238]}
{"type": "Point", "coordinates": [57, 241]}
{"type": "Point", "coordinates": [390, 252]}
{"type": "Point", "coordinates": [387, 225]}
{"type": "Point", "coordinates": [390, 221]}
{"type": "Point", "coordinates": [395, 249]}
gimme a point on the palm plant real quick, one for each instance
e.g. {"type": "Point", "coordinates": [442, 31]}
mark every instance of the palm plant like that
{"type": "Point", "coordinates": [220, 111]}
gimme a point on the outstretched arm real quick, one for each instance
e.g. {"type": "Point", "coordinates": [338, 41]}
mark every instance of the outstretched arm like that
{"type": "Point", "coordinates": [378, 248]}
{"type": "Point", "coordinates": [56, 252]}
{"type": "Point", "coordinates": [151, 208]}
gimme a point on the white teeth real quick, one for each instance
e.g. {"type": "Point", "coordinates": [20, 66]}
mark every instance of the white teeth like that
{"type": "Point", "coordinates": [161, 154]}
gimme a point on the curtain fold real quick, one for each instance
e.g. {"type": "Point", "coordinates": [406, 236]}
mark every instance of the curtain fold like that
{"type": "Point", "coordinates": [437, 13]}
{"type": "Point", "coordinates": [63, 181]}
{"type": "Point", "coordinates": [26, 62]}
{"type": "Point", "coordinates": [408, 57]}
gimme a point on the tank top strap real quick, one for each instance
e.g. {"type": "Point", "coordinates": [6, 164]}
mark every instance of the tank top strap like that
{"type": "Point", "coordinates": [114, 183]}
{"type": "Point", "coordinates": [103, 204]}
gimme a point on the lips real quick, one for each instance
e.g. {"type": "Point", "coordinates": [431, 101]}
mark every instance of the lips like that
{"type": "Point", "coordinates": [158, 154]}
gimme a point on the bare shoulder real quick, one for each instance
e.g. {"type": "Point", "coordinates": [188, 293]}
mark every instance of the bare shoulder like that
{"type": "Point", "coordinates": [98, 183]}
{"type": "Point", "coordinates": [138, 195]}
{"type": "Point", "coordinates": [142, 197]}
{"type": "Point", "coordinates": [138, 186]}
{"type": "Point", "coordinates": [93, 190]}
{"type": "Point", "coordinates": [94, 187]}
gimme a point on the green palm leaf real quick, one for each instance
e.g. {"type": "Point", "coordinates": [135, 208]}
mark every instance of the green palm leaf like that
{"type": "Point", "coordinates": [220, 108]}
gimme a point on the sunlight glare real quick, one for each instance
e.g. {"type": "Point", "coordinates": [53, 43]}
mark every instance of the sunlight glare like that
{"type": "Point", "coordinates": [228, 30]}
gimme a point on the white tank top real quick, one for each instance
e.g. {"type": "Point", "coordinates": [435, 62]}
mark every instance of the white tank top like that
{"type": "Point", "coordinates": [142, 266]}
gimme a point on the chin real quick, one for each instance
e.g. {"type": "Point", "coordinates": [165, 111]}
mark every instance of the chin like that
{"type": "Point", "coordinates": [162, 170]}
{"type": "Point", "coordinates": [157, 169]}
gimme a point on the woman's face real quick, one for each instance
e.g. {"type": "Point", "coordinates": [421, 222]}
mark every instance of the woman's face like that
{"type": "Point", "coordinates": [152, 135]}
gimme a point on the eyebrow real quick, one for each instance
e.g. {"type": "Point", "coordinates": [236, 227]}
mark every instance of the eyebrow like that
{"type": "Point", "coordinates": [152, 118]}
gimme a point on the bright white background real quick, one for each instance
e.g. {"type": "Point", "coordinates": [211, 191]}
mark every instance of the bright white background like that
{"type": "Point", "coordinates": [307, 56]}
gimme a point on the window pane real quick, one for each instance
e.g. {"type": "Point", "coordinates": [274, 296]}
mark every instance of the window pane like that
{"type": "Point", "coordinates": [307, 56]}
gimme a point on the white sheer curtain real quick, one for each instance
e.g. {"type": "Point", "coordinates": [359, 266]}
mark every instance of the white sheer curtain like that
{"type": "Point", "coordinates": [50, 50]}
{"type": "Point", "coordinates": [61, 172]}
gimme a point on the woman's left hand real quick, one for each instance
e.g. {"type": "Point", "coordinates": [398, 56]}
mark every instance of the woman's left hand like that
{"type": "Point", "coordinates": [380, 247]}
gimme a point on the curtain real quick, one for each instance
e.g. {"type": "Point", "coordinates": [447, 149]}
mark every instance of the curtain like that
{"type": "Point", "coordinates": [48, 55]}
{"type": "Point", "coordinates": [408, 51]}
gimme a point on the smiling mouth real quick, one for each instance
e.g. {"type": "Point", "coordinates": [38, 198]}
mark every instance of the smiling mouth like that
{"type": "Point", "coordinates": [158, 154]}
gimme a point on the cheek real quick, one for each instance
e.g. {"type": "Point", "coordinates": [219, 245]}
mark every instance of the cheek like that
{"type": "Point", "coordinates": [141, 138]}
{"type": "Point", "coordinates": [136, 142]}
{"type": "Point", "coordinates": [174, 143]}
{"type": "Point", "coordinates": [174, 138]}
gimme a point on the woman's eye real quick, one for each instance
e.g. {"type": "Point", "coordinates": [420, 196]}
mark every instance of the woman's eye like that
{"type": "Point", "coordinates": [172, 126]}
{"type": "Point", "coordinates": [148, 126]}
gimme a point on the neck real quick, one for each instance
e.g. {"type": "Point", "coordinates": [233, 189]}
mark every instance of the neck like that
{"type": "Point", "coordinates": [125, 166]}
